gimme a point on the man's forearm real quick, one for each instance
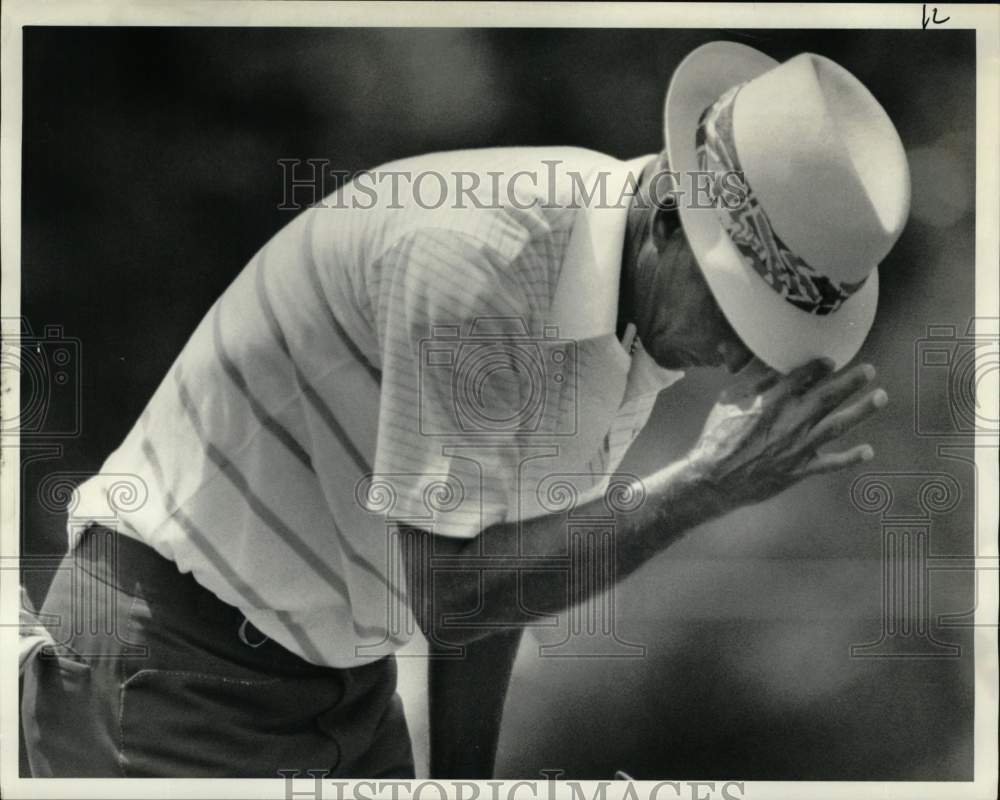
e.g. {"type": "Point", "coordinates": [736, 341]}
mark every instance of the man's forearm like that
{"type": "Point", "coordinates": [510, 565]}
{"type": "Point", "coordinates": [760, 437]}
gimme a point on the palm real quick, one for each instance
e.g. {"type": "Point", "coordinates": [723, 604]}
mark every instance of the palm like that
{"type": "Point", "coordinates": [763, 433]}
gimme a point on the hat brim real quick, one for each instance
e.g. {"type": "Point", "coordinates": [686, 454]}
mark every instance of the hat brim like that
{"type": "Point", "coordinates": [777, 332]}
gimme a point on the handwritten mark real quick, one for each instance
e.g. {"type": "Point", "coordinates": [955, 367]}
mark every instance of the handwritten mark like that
{"type": "Point", "coordinates": [932, 18]}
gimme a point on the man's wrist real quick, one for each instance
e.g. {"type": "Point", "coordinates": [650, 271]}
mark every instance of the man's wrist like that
{"type": "Point", "coordinates": [685, 497]}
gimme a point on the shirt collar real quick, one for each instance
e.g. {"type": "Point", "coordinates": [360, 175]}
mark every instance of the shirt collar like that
{"type": "Point", "coordinates": [585, 304]}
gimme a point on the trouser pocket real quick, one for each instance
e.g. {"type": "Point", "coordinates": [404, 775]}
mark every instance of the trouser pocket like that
{"type": "Point", "coordinates": [180, 723]}
{"type": "Point", "coordinates": [62, 728]}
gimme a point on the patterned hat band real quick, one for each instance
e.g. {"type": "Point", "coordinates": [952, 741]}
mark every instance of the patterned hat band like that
{"type": "Point", "coordinates": [749, 227]}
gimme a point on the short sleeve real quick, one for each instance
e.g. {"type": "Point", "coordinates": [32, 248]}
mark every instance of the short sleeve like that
{"type": "Point", "coordinates": [467, 381]}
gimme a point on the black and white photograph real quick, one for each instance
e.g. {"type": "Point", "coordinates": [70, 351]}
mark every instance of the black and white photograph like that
{"type": "Point", "coordinates": [499, 400]}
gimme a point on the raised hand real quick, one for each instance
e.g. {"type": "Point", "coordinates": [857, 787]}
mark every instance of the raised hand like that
{"type": "Point", "coordinates": [763, 433]}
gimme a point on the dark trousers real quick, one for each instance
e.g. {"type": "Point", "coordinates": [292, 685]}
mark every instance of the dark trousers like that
{"type": "Point", "coordinates": [153, 676]}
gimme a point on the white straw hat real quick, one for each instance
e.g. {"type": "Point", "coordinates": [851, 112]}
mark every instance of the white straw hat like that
{"type": "Point", "coordinates": [824, 195]}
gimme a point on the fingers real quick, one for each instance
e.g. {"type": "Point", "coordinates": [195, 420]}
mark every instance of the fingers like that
{"type": "Point", "coordinates": [757, 375]}
{"type": "Point", "coordinates": [758, 378]}
{"type": "Point", "coordinates": [754, 378]}
{"type": "Point", "coordinates": [825, 396]}
{"type": "Point", "coordinates": [801, 379]}
{"type": "Point", "coordinates": [830, 462]}
{"type": "Point", "coordinates": [838, 423]}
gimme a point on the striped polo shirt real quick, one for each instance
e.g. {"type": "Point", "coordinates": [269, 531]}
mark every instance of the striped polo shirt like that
{"type": "Point", "coordinates": [433, 344]}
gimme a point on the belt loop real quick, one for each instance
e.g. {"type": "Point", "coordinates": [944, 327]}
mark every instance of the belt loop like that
{"type": "Point", "coordinates": [242, 633]}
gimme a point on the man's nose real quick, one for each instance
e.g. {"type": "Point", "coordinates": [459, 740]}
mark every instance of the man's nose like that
{"type": "Point", "coordinates": [735, 355]}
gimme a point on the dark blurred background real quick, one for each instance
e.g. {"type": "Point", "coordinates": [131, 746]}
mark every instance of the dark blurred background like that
{"type": "Point", "coordinates": [151, 175]}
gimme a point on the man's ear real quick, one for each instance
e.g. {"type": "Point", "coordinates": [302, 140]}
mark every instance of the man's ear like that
{"type": "Point", "coordinates": [664, 224]}
{"type": "Point", "coordinates": [662, 189]}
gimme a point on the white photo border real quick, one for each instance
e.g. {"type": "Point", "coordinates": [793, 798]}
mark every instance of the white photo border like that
{"type": "Point", "coordinates": [985, 19]}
